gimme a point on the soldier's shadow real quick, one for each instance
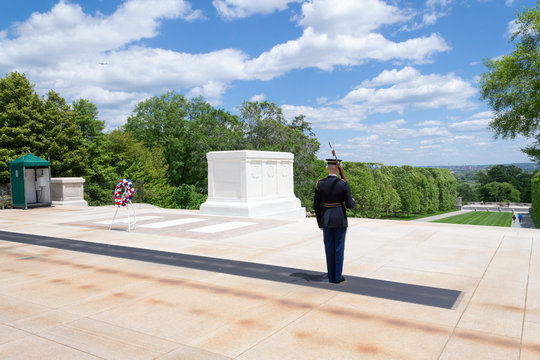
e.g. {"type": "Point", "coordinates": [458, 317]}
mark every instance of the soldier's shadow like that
{"type": "Point", "coordinates": [310, 277]}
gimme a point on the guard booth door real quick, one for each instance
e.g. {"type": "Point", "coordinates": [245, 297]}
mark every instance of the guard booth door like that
{"type": "Point", "coordinates": [36, 185]}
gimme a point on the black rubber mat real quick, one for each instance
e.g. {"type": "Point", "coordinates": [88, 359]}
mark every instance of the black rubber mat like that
{"type": "Point", "coordinates": [417, 294]}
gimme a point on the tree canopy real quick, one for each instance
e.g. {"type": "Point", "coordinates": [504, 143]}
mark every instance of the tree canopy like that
{"type": "Point", "coordinates": [512, 83]}
{"type": "Point", "coordinates": [45, 127]}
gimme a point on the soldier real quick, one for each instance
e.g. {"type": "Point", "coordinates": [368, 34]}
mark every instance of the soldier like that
{"type": "Point", "coordinates": [332, 196]}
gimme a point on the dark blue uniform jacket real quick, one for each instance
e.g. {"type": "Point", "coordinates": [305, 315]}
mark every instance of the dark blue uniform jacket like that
{"type": "Point", "coordinates": [332, 196]}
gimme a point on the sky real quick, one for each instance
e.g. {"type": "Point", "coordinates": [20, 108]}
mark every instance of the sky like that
{"type": "Point", "coordinates": [393, 82]}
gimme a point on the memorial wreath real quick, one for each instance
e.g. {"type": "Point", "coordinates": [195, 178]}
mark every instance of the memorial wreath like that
{"type": "Point", "coordinates": [123, 192]}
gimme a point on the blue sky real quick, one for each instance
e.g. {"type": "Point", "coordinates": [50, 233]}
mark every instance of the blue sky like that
{"type": "Point", "coordinates": [394, 82]}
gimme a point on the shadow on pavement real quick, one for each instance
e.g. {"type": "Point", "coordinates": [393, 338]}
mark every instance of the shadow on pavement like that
{"type": "Point", "coordinates": [417, 294]}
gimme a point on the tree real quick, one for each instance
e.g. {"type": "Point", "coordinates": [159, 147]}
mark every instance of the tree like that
{"type": "Point", "coordinates": [535, 196]}
{"type": "Point", "coordinates": [265, 128]}
{"type": "Point", "coordinates": [20, 118]}
{"type": "Point", "coordinates": [389, 195]}
{"type": "Point", "coordinates": [467, 191]}
{"type": "Point", "coordinates": [100, 168]}
{"type": "Point", "coordinates": [186, 197]}
{"type": "Point", "coordinates": [161, 123]}
{"type": "Point", "coordinates": [265, 125]}
{"type": "Point", "coordinates": [364, 190]}
{"type": "Point", "coordinates": [427, 188]}
{"type": "Point", "coordinates": [408, 193]}
{"type": "Point", "coordinates": [45, 127]}
{"type": "Point", "coordinates": [60, 138]}
{"type": "Point", "coordinates": [508, 174]}
{"type": "Point", "coordinates": [512, 84]}
{"type": "Point", "coordinates": [447, 184]}
{"type": "Point", "coordinates": [209, 129]}
{"type": "Point", "coordinates": [135, 161]}
{"type": "Point", "coordinates": [499, 192]}
{"type": "Point", "coordinates": [185, 130]}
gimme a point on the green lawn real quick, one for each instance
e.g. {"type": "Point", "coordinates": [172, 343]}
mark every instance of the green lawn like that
{"type": "Point", "coordinates": [480, 218]}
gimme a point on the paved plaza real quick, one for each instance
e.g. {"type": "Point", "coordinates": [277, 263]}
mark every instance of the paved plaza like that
{"type": "Point", "coordinates": [187, 286]}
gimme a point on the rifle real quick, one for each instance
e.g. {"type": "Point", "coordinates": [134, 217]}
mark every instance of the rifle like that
{"type": "Point", "coordinates": [337, 162]}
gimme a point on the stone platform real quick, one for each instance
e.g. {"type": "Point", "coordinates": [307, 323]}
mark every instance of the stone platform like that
{"type": "Point", "coordinates": [189, 286]}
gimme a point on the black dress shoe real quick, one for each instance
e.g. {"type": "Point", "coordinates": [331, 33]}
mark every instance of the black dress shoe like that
{"type": "Point", "coordinates": [340, 280]}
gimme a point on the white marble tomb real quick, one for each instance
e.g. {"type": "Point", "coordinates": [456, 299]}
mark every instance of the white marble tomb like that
{"type": "Point", "coordinates": [251, 183]}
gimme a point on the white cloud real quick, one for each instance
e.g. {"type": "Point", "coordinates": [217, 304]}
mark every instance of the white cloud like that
{"type": "Point", "coordinates": [258, 97]}
{"type": "Point", "coordinates": [328, 117]}
{"type": "Point", "coordinates": [470, 125]}
{"type": "Point", "coordinates": [389, 77]}
{"type": "Point", "coordinates": [212, 91]}
{"type": "Point", "coordinates": [231, 9]}
{"type": "Point", "coordinates": [324, 51]}
{"type": "Point", "coordinates": [430, 123]}
{"type": "Point", "coordinates": [428, 147]}
{"type": "Point", "coordinates": [410, 88]}
{"type": "Point", "coordinates": [321, 100]}
{"type": "Point", "coordinates": [465, 137]}
{"type": "Point", "coordinates": [349, 17]}
{"type": "Point", "coordinates": [482, 115]}
{"type": "Point", "coordinates": [367, 139]}
{"type": "Point", "coordinates": [433, 131]}
{"type": "Point", "coordinates": [511, 28]}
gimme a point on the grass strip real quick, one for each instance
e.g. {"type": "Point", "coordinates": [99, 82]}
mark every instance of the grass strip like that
{"type": "Point", "coordinates": [503, 219]}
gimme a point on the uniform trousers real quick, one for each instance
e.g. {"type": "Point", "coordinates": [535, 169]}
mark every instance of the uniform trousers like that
{"type": "Point", "coordinates": [334, 247]}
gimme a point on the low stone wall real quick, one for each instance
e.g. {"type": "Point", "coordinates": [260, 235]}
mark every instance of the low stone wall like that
{"type": "Point", "coordinates": [68, 191]}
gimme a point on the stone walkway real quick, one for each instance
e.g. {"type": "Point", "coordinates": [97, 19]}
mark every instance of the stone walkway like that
{"type": "Point", "coordinates": [172, 289]}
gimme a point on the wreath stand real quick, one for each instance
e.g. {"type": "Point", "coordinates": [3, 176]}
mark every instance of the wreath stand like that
{"type": "Point", "coordinates": [125, 188]}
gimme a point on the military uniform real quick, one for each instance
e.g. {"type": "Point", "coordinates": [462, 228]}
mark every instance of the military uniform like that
{"type": "Point", "coordinates": [332, 197]}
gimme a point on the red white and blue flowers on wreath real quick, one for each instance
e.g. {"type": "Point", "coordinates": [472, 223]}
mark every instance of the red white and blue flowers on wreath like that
{"type": "Point", "coordinates": [123, 192]}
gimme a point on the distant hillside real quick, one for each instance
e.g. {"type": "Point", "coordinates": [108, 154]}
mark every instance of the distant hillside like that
{"type": "Point", "coordinates": [526, 167]}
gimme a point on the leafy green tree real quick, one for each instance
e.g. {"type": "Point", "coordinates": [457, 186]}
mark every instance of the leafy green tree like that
{"type": "Point", "coordinates": [61, 138]}
{"type": "Point", "coordinates": [161, 123]}
{"type": "Point", "coordinates": [302, 142]}
{"type": "Point", "coordinates": [134, 161]}
{"type": "Point", "coordinates": [447, 185]}
{"type": "Point", "coordinates": [364, 190]}
{"type": "Point", "coordinates": [186, 197]}
{"type": "Point", "coordinates": [427, 188]}
{"type": "Point", "coordinates": [100, 168]}
{"type": "Point", "coordinates": [265, 128]}
{"type": "Point", "coordinates": [389, 196]}
{"type": "Point", "coordinates": [185, 130]}
{"type": "Point", "coordinates": [45, 127]}
{"type": "Point", "coordinates": [209, 129]}
{"type": "Point", "coordinates": [20, 118]}
{"type": "Point", "coordinates": [535, 196]}
{"type": "Point", "coordinates": [508, 174]}
{"type": "Point", "coordinates": [499, 192]}
{"type": "Point", "coordinates": [265, 125]}
{"type": "Point", "coordinates": [467, 191]}
{"type": "Point", "coordinates": [87, 119]}
{"type": "Point", "coordinates": [408, 193]}
{"type": "Point", "coordinates": [512, 84]}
